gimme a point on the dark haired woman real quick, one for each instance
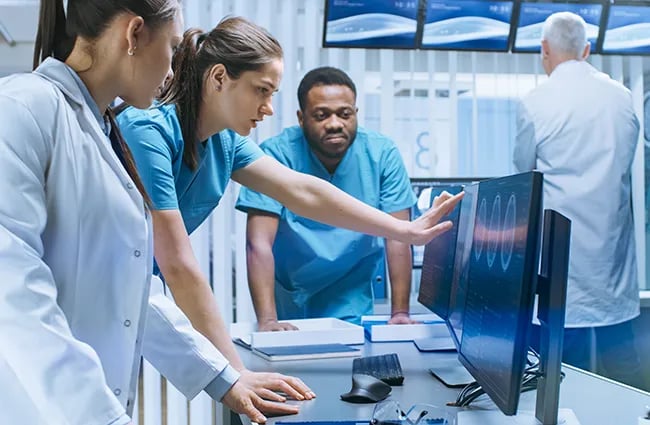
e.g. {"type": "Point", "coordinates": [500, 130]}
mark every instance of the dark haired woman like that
{"type": "Point", "coordinates": [75, 235]}
{"type": "Point", "coordinates": [190, 146]}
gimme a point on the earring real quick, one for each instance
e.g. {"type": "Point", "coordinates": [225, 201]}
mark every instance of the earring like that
{"type": "Point", "coordinates": [131, 51]}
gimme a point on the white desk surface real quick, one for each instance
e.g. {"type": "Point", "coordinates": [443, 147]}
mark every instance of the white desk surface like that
{"type": "Point", "coordinates": [595, 400]}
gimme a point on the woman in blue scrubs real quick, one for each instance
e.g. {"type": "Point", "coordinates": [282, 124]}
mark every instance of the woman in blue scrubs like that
{"type": "Point", "coordinates": [189, 147]}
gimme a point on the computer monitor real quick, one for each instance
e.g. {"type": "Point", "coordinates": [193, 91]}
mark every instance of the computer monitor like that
{"type": "Point", "coordinates": [426, 189]}
{"type": "Point", "coordinates": [501, 285]}
{"type": "Point", "coordinates": [467, 25]}
{"type": "Point", "coordinates": [627, 31]}
{"type": "Point", "coordinates": [485, 293]}
{"type": "Point", "coordinates": [532, 15]}
{"type": "Point", "coordinates": [388, 24]}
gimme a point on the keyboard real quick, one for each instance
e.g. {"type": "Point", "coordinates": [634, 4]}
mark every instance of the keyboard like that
{"type": "Point", "coordinates": [385, 367]}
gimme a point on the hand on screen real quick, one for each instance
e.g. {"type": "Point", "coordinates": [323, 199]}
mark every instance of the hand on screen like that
{"type": "Point", "coordinates": [256, 394]}
{"type": "Point", "coordinates": [426, 227]}
{"type": "Point", "coordinates": [274, 326]}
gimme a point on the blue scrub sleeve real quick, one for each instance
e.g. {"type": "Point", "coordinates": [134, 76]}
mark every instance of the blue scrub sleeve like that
{"type": "Point", "coordinates": [153, 156]}
{"type": "Point", "coordinates": [249, 199]}
{"type": "Point", "coordinates": [395, 192]}
{"type": "Point", "coordinates": [246, 152]}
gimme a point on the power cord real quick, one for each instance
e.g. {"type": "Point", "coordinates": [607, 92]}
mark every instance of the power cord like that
{"type": "Point", "coordinates": [472, 391]}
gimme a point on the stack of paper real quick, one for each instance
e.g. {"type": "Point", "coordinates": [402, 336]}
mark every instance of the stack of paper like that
{"type": "Point", "coordinates": [377, 328]}
{"type": "Point", "coordinates": [315, 338]}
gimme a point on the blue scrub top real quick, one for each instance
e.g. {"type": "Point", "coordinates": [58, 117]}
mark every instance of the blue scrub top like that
{"type": "Point", "coordinates": [320, 270]}
{"type": "Point", "coordinates": [156, 141]}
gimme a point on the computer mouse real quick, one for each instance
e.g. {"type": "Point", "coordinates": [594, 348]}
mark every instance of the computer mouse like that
{"type": "Point", "coordinates": [366, 389]}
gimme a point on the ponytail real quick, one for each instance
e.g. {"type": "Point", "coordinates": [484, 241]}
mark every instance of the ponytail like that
{"type": "Point", "coordinates": [236, 43]}
{"type": "Point", "coordinates": [51, 38]}
{"type": "Point", "coordinates": [184, 90]}
{"type": "Point", "coordinates": [126, 158]}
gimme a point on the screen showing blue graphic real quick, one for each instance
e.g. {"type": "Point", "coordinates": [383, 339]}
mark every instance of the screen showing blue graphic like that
{"type": "Point", "coordinates": [501, 284]}
{"type": "Point", "coordinates": [426, 189]}
{"type": "Point", "coordinates": [437, 262]}
{"type": "Point", "coordinates": [628, 29]}
{"type": "Point", "coordinates": [467, 25]}
{"type": "Point", "coordinates": [371, 23]}
{"type": "Point", "coordinates": [532, 15]}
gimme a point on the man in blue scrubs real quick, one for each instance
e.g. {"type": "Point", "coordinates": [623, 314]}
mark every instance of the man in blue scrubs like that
{"type": "Point", "coordinates": [298, 268]}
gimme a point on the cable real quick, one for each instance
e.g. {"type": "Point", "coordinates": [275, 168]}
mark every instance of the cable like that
{"type": "Point", "coordinates": [530, 378]}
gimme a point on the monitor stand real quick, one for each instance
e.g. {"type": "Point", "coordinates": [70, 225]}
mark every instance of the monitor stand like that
{"type": "Point", "coordinates": [452, 374]}
{"type": "Point", "coordinates": [495, 417]}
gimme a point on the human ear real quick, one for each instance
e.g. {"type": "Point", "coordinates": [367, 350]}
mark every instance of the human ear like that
{"type": "Point", "coordinates": [300, 117]}
{"type": "Point", "coordinates": [217, 76]}
{"type": "Point", "coordinates": [134, 34]}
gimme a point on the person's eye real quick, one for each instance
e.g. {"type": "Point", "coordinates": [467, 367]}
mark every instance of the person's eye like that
{"type": "Point", "coordinates": [263, 90]}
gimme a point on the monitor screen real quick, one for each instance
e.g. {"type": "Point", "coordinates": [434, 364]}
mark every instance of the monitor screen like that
{"type": "Point", "coordinates": [532, 15]}
{"type": "Point", "coordinates": [467, 25]}
{"type": "Point", "coordinates": [371, 23]}
{"type": "Point", "coordinates": [438, 262]}
{"type": "Point", "coordinates": [627, 29]}
{"type": "Point", "coordinates": [501, 285]}
{"type": "Point", "coordinates": [443, 282]}
{"type": "Point", "coordinates": [426, 189]}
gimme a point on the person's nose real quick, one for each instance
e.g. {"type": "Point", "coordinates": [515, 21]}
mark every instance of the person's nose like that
{"type": "Point", "coordinates": [267, 107]}
{"type": "Point", "coordinates": [334, 124]}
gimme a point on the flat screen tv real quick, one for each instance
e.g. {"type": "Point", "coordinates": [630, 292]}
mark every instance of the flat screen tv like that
{"type": "Point", "coordinates": [388, 24]}
{"type": "Point", "coordinates": [467, 25]}
{"type": "Point", "coordinates": [627, 31]}
{"type": "Point", "coordinates": [532, 14]}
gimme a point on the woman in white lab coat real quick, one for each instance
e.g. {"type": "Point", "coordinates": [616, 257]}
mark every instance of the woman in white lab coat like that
{"type": "Point", "coordinates": [75, 236]}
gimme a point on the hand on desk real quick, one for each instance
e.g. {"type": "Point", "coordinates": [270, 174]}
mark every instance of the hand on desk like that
{"type": "Point", "coordinates": [255, 393]}
{"type": "Point", "coordinates": [401, 319]}
{"type": "Point", "coordinates": [274, 326]}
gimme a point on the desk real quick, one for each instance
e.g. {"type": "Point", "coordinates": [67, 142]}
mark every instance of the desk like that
{"type": "Point", "coordinates": [595, 400]}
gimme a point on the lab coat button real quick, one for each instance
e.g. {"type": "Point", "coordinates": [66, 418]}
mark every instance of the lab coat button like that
{"type": "Point", "coordinates": [127, 323]}
{"type": "Point", "coordinates": [117, 391]}
{"type": "Point", "coordinates": [129, 185]}
{"type": "Point", "coordinates": [136, 253]}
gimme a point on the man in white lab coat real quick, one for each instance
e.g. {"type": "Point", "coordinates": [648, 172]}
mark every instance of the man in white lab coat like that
{"type": "Point", "coordinates": [580, 130]}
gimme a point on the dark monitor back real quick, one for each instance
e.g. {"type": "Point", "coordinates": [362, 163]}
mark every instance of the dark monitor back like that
{"type": "Point", "coordinates": [467, 25]}
{"type": "Point", "coordinates": [533, 13]}
{"type": "Point", "coordinates": [501, 284]}
{"type": "Point", "coordinates": [385, 24]}
{"type": "Point", "coordinates": [627, 28]}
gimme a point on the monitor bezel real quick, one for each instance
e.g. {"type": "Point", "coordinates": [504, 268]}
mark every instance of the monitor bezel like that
{"type": "Point", "coordinates": [515, 22]}
{"type": "Point", "coordinates": [417, 36]}
{"type": "Point", "coordinates": [509, 42]}
{"type": "Point", "coordinates": [605, 21]}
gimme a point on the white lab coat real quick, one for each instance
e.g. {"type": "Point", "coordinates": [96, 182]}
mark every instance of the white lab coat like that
{"type": "Point", "coordinates": [75, 268]}
{"type": "Point", "coordinates": [580, 130]}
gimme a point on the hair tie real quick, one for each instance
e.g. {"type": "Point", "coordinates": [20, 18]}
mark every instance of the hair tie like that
{"type": "Point", "coordinates": [201, 39]}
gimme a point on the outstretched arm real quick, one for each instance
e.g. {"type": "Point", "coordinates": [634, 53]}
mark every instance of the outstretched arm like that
{"type": "Point", "coordinates": [314, 198]}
